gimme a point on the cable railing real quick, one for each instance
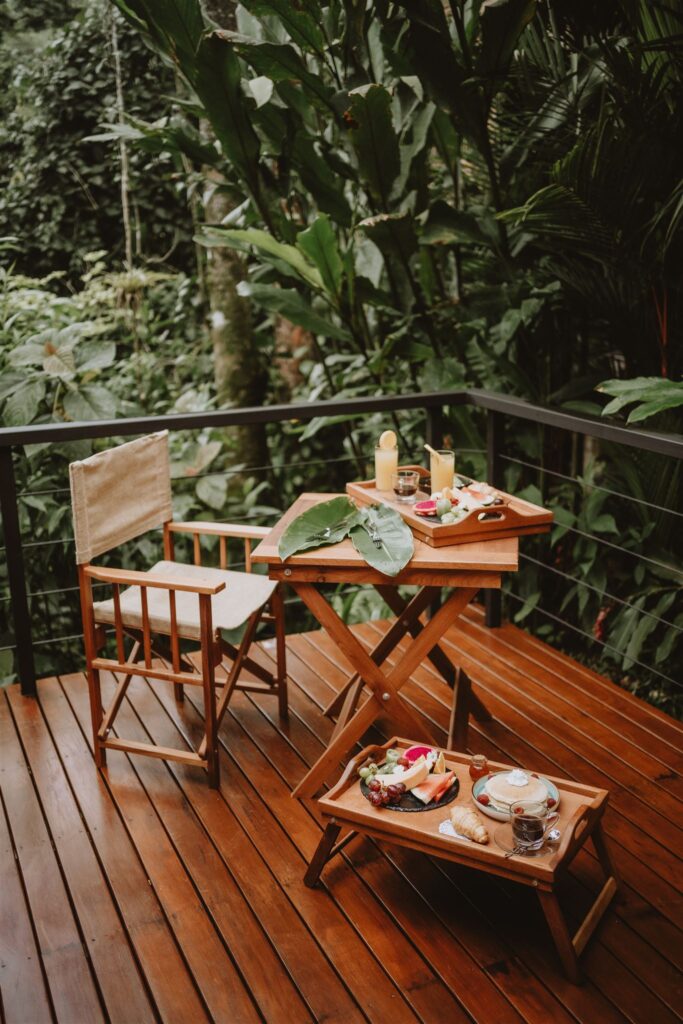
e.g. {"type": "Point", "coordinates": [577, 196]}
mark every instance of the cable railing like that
{"type": "Point", "coordinates": [435, 407]}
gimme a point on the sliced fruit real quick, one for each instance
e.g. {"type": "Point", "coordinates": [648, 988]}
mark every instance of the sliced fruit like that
{"type": "Point", "coordinates": [434, 786]}
{"type": "Point", "coordinates": [387, 439]}
{"type": "Point", "coordinates": [412, 753]}
{"type": "Point", "coordinates": [425, 508]}
{"type": "Point", "coordinates": [410, 777]}
{"type": "Point", "coordinates": [440, 763]}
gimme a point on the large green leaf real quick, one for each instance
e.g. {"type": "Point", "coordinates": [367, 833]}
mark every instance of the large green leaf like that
{"type": "Point", "coordinates": [283, 64]}
{"type": "Point", "coordinates": [325, 523]}
{"type": "Point", "coordinates": [23, 404]}
{"type": "Point", "coordinates": [240, 237]}
{"type": "Point", "coordinates": [174, 27]}
{"type": "Point", "coordinates": [90, 402]}
{"type": "Point", "coordinates": [290, 304]}
{"type": "Point", "coordinates": [319, 243]}
{"type": "Point", "coordinates": [445, 226]}
{"type": "Point", "coordinates": [320, 179]}
{"type": "Point", "coordinates": [502, 23]}
{"type": "Point", "coordinates": [395, 539]}
{"type": "Point", "coordinates": [217, 82]}
{"type": "Point", "coordinates": [374, 139]}
{"type": "Point", "coordinates": [300, 23]}
{"type": "Point", "coordinates": [392, 233]}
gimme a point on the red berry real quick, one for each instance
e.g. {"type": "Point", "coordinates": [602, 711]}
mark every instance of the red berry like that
{"type": "Point", "coordinates": [483, 799]}
{"type": "Point", "coordinates": [518, 810]}
{"type": "Point", "coordinates": [375, 799]}
{"type": "Point", "coordinates": [374, 785]}
{"type": "Point", "coordinates": [404, 762]}
{"type": "Point", "coordinates": [551, 801]}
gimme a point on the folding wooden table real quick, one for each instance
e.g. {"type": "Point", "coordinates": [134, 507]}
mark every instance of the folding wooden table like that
{"type": "Point", "coordinates": [464, 567]}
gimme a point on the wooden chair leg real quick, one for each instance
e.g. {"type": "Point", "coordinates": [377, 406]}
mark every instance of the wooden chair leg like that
{"type": "Point", "coordinates": [277, 606]}
{"type": "Point", "coordinates": [96, 715]}
{"type": "Point", "coordinates": [209, 687]}
{"type": "Point", "coordinates": [560, 934]}
{"type": "Point", "coordinates": [322, 853]}
{"type": "Point", "coordinates": [179, 692]}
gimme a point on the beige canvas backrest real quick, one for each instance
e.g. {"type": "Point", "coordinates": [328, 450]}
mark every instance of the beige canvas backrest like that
{"type": "Point", "coordinates": [119, 494]}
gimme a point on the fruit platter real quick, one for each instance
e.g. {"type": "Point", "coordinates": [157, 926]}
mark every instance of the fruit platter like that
{"type": "Point", "coordinates": [499, 793]}
{"type": "Point", "coordinates": [414, 779]}
{"type": "Point", "coordinates": [468, 511]}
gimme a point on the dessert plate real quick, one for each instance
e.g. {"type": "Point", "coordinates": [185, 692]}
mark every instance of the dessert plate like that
{"type": "Point", "coordinates": [492, 812]}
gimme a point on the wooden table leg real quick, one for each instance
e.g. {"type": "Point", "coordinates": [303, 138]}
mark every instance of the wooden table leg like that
{"type": "Point", "coordinates": [460, 711]}
{"type": "Point", "coordinates": [385, 696]}
{"type": "Point", "coordinates": [410, 613]}
{"type": "Point", "coordinates": [322, 854]}
{"type": "Point", "coordinates": [446, 669]}
{"type": "Point", "coordinates": [560, 933]}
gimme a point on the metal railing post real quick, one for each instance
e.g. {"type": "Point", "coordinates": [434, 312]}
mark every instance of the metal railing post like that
{"type": "Point", "coordinates": [15, 574]}
{"type": "Point", "coordinates": [494, 474]}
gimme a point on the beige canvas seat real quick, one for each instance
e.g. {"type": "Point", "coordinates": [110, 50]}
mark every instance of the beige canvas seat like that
{"type": "Point", "coordinates": [243, 595]}
{"type": "Point", "coordinates": [116, 496]}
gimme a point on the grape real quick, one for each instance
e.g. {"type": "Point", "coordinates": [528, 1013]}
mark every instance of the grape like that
{"type": "Point", "coordinates": [364, 772]}
{"type": "Point", "coordinates": [393, 790]}
{"type": "Point", "coordinates": [374, 785]}
{"type": "Point", "coordinates": [401, 787]}
{"type": "Point", "coordinates": [404, 762]}
{"type": "Point", "coordinates": [376, 799]}
{"type": "Point", "coordinates": [393, 755]}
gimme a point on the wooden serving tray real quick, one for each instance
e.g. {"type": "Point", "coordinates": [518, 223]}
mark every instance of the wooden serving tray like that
{"type": "Point", "coordinates": [514, 518]}
{"type": "Point", "coordinates": [580, 807]}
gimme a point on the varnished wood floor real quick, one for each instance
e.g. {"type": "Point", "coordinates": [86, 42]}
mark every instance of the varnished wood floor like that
{"type": "Point", "coordinates": [140, 895]}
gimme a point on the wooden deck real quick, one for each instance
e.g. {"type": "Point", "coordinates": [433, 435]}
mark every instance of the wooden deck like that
{"type": "Point", "coordinates": [141, 895]}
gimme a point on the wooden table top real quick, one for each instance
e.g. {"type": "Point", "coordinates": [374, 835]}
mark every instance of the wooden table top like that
{"type": "Point", "coordinates": [491, 556]}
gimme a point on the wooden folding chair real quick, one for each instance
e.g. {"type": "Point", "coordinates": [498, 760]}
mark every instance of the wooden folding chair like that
{"type": "Point", "coordinates": [118, 495]}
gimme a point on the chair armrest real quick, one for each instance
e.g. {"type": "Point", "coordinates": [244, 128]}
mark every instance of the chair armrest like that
{"type": "Point", "coordinates": [221, 529]}
{"type": "Point", "coordinates": [128, 577]}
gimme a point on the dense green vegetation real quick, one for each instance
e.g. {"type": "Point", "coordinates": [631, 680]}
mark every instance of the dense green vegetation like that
{"type": "Point", "coordinates": [384, 197]}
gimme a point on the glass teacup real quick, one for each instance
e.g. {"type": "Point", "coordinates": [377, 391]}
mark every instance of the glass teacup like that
{"type": "Point", "coordinates": [530, 823]}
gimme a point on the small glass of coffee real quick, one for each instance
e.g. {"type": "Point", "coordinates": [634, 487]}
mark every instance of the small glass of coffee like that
{"type": "Point", "coordinates": [530, 823]}
{"type": "Point", "coordinates": [405, 484]}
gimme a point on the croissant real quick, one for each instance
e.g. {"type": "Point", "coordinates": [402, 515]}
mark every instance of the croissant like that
{"type": "Point", "coordinates": [467, 823]}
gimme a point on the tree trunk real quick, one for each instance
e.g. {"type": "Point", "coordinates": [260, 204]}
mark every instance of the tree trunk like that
{"type": "Point", "coordinates": [241, 378]}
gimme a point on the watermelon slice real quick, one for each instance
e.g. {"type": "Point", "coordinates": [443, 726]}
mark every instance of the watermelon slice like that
{"type": "Point", "coordinates": [434, 787]}
{"type": "Point", "coordinates": [412, 753]}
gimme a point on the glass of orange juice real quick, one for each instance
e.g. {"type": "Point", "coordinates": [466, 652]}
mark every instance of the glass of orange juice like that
{"type": "Point", "coordinates": [442, 469]}
{"type": "Point", "coordinates": [386, 460]}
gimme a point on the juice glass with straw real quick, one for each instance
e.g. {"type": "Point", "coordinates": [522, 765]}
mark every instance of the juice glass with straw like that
{"type": "Point", "coordinates": [441, 468]}
{"type": "Point", "coordinates": [386, 460]}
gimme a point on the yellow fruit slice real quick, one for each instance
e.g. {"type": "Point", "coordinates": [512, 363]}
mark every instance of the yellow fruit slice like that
{"type": "Point", "coordinates": [387, 439]}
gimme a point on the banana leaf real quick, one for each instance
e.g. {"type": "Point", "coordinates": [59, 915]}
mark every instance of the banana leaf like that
{"type": "Point", "coordinates": [326, 523]}
{"type": "Point", "coordinates": [395, 539]}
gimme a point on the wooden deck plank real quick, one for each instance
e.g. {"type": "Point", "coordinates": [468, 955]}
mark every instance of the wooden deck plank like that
{"type": "Point", "coordinates": [280, 828]}
{"type": "Point", "coordinates": [73, 991]}
{"type": "Point", "coordinates": [167, 974]}
{"type": "Point", "coordinates": [200, 894]}
{"type": "Point", "coordinates": [301, 956]}
{"type": "Point", "coordinates": [223, 990]}
{"type": "Point", "coordinates": [23, 993]}
{"type": "Point", "coordinates": [122, 988]}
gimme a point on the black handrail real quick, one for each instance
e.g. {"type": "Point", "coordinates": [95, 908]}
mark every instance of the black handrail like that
{"type": "Point", "coordinates": [497, 406]}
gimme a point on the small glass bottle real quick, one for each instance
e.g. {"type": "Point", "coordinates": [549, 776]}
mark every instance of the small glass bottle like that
{"type": "Point", "coordinates": [479, 767]}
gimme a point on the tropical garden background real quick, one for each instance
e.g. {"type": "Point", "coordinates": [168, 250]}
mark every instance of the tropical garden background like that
{"type": "Point", "coordinates": [213, 204]}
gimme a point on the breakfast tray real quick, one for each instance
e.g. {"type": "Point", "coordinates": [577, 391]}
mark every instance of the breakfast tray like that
{"type": "Point", "coordinates": [580, 814]}
{"type": "Point", "coordinates": [514, 518]}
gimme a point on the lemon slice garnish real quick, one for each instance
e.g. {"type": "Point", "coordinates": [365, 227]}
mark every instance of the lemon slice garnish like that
{"type": "Point", "coordinates": [387, 439]}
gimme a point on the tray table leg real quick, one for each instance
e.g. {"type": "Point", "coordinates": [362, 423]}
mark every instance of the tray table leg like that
{"type": "Point", "coordinates": [322, 854]}
{"type": "Point", "coordinates": [560, 933]}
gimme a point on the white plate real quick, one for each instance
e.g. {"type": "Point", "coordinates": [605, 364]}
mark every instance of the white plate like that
{"type": "Point", "coordinates": [505, 815]}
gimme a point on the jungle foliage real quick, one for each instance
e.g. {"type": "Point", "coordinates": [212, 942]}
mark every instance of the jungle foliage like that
{"type": "Point", "coordinates": [423, 196]}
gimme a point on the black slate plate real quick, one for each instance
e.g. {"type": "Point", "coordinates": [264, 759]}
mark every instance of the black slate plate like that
{"type": "Point", "coordinates": [408, 802]}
